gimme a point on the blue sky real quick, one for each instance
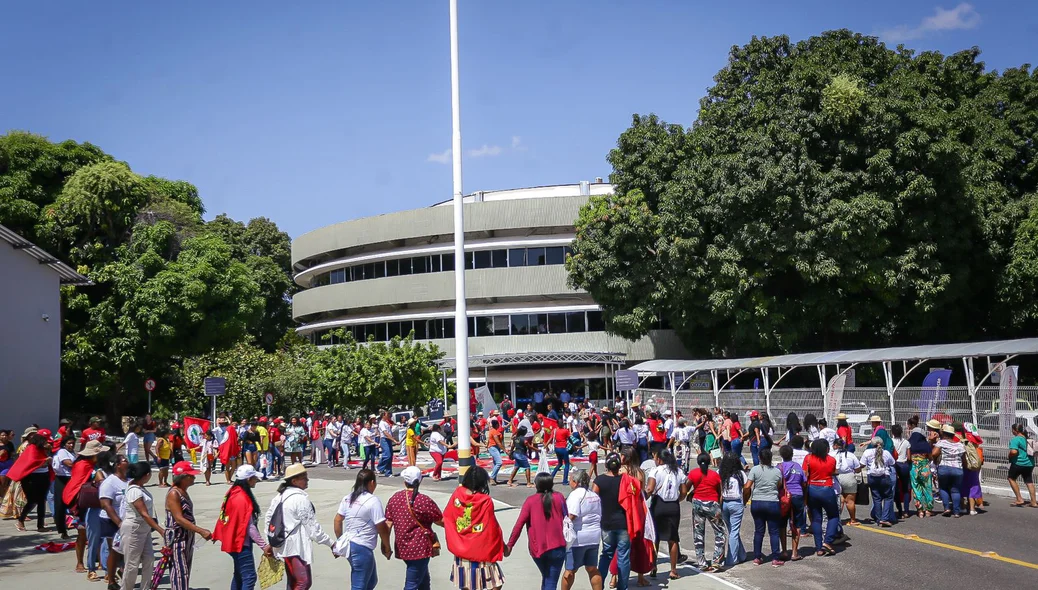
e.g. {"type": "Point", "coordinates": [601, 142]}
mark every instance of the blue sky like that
{"type": "Point", "coordinates": [326, 111]}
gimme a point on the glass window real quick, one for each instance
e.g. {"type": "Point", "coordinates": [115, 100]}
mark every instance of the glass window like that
{"type": "Point", "coordinates": [567, 251]}
{"type": "Point", "coordinates": [555, 255]}
{"type": "Point", "coordinates": [421, 329]}
{"type": "Point", "coordinates": [520, 323]}
{"type": "Point", "coordinates": [499, 258]}
{"type": "Point", "coordinates": [472, 326]}
{"type": "Point", "coordinates": [595, 323]}
{"type": "Point", "coordinates": [501, 325]}
{"type": "Point", "coordinates": [393, 329]}
{"type": "Point", "coordinates": [338, 276]}
{"type": "Point", "coordinates": [538, 323]}
{"type": "Point", "coordinates": [448, 327]}
{"type": "Point", "coordinates": [405, 328]}
{"type": "Point", "coordinates": [484, 326]}
{"type": "Point", "coordinates": [419, 265]}
{"type": "Point", "coordinates": [361, 333]}
{"type": "Point", "coordinates": [517, 257]}
{"type": "Point", "coordinates": [351, 274]}
{"type": "Point", "coordinates": [405, 266]}
{"type": "Point", "coordinates": [483, 259]}
{"type": "Point", "coordinates": [380, 332]}
{"type": "Point", "coordinates": [380, 269]}
{"type": "Point", "coordinates": [575, 322]}
{"type": "Point", "coordinates": [319, 280]}
{"type": "Point", "coordinates": [447, 261]}
{"type": "Point", "coordinates": [369, 270]}
{"type": "Point", "coordinates": [392, 268]}
{"type": "Point", "coordinates": [556, 323]}
{"type": "Point", "coordinates": [469, 261]}
{"type": "Point", "coordinates": [535, 257]}
{"type": "Point", "coordinates": [434, 263]}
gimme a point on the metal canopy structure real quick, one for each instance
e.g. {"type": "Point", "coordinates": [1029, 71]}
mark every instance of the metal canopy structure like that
{"type": "Point", "coordinates": [64, 271]}
{"type": "Point", "coordinates": [682, 371]}
{"type": "Point", "coordinates": [522, 358]}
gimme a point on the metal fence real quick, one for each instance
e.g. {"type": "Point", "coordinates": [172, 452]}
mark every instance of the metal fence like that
{"type": "Point", "coordinates": [950, 404]}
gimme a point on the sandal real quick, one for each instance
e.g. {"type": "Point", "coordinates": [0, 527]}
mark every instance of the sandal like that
{"type": "Point", "coordinates": [93, 577]}
{"type": "Point", "coordinates": [828, 550]}
{"type": "Point", "coordinates": [674, 576]}
{"type": "Point", "coordinates": [796, 558]}
{"type": "Point", "coordinates": [20, 526]}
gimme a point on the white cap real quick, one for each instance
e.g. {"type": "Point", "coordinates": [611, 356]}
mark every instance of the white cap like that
{"type": "Point", "coordinates": [666, 412]}
{"type": "Point", "coordinates": [245, 473]}
{"type": "Point", "coordinates": [411, 475]}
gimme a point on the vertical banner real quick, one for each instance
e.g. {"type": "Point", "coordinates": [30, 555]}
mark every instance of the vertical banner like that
{"type": "Point", "coordinates": [1007, 402]}
{"type": "Point", "coordinates": [934, 393]}
{"type": "Point", "coordinates": [834, 398]}
{"type": "Point", "coordinates": [486, 399]}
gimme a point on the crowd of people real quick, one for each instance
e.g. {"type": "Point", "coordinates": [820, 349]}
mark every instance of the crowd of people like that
{"type": "Point", "coordinates": [612, 524]}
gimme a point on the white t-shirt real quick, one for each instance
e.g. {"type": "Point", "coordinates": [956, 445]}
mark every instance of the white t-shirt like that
{"type": "Point", "coordinates": [846, 462]}
{"type": "Point", "coordinates": [367, 437]}
{"type": "Point", "coordinates": [134, 493]}
{"type": "Point", "coordinates": [951, 453]}
{"type": "Point", "coordinates": [525, 423]}
{"type": "Point", "coordinates": [592, 446]}
{"type": "Point", "coordinates": [362, 518]}
{"type": "Point", "coordinates": [331, 431]}
{"type": "Point", "coordinates": [114, 489]}
{"type": "Point", "coordinates": [799, 455]}
{"type": "Point", "coordinates": [59, 468]}
{"type": "Point", "coordinates": [868, 460]}
{"type": "Point", "coordinates": [901, 446]}
{"type": "Point", "coordinates": [437, 443]}
{"type": "Point", "coordinates": [828, 434]}
{"type": "Point", "coordinates": [668, 483]}
{"type": "Point", "coordinates": [587, 507]}
{"type": "Point", "coordinates": [733, 488]}
{"type": "Point", "coordinates": [132, 443]}
{"type": "Point", "coordinates": [385, 429]}
{"type": "Point", "coordinates": [683, 434]}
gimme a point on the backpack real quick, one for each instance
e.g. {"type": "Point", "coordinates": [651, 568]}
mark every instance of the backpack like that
{"type": "Point", "coordinates": [276, 533]}
{"type": "Point", "coordinates": [973, 460]}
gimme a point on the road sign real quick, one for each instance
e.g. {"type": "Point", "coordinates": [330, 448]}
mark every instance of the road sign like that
{"type": "Point", "coordinates": [215, 385]}
{"type": "Point", "coordinates": [626, 380]}
{"type": "Point", "coordinates": [149, 385]}
{"type": "Point", "coordinates": [268, 398]}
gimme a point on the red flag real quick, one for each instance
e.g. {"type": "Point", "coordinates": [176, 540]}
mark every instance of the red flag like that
{"type": "Point", "coordinates": [471, 528]}
{"type": "Point", "coordinates": [31, 459]}
{"type": "Point", "coordinates": [194, 431]}
{"type": "Point", "coordinates": [229, 448]}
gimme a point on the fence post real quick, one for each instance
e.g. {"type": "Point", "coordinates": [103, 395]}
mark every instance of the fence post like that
{"type": "Point", "coordinates": [673, 395]}
{"type": "Point", "coordinates": [767, 389]}
{"type": "Point", "coordinates": [888, 377]}
{"type": "Point", "coordinates": [972, 387]}
{"type": "Point", "coordinates": [717, 393]}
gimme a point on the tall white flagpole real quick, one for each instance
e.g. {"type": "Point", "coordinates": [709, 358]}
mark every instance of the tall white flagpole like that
{"type": "Point", "coordinates": [461, 324]}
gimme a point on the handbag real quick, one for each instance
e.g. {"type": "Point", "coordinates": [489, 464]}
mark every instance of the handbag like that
{"type": "Point", "coordinates": [89, 496]}
{"type": "Point", "coordinates": [435, 545]}
{"type": "Point", "coordinates": [785, 499]}
{"type": "Point", "coordinates": [864, 495]}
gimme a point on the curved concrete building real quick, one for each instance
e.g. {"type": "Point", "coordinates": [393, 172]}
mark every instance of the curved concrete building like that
{"type": "Point", "coordinates": [387, 275]}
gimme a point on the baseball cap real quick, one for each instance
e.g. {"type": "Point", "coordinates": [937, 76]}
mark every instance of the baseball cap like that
{"type": "Point", "coordinates": [263, 420]}
{"type": "Point", "coordinates": [44, 433]}
{"type": "Point", "coordinates": [666, 412]}
{"type": "Point", "coordinates": [245, 473]}
{"type": "Point", "coordinates": [411, 475]}
{"type": "Point", "coordinates": [754, 414]}
{"type": "Point", "coordinates": [184, 468]}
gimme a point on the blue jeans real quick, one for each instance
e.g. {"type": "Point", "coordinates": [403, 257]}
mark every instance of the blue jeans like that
{"type": "Point", "coordinates": [755, 453]}
{"type": "Point", "coordinates": [551, 564]}
{"type": "Point", "coordinates": [496, 455]}
{"type": "Point", "coordinates": [94, 544]}
{"type": "Point", "coordinates": [822, 500]}
{"type": "Point", "coordinates": [618, 543]}
{"type": "Point", "coordinates": [950, 481]}
{"type": "Point", "coordinates": [882, 488]}
{"type": "Point", "coordinates": [244, 577]}
{"type": "Point", "coordinates": [732, 511]}
{"type": "Point", "coordinates": [903, 490]}
{"type": "Point", "coordinates": [362, 563]}
{"type": "Point", "coordinates": [385, 462]}
{"type": "Point", "coordinates": [766, 513]}
{"type": "Point", "coordinates": [737, 449]}
{"type": "Point", "coordinates": [563, 456]}
{"type": "Point", "coordinates": [417, 576]}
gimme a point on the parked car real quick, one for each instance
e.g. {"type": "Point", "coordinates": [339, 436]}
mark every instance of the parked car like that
{"type": "Point", "coordinates": [990, 424]}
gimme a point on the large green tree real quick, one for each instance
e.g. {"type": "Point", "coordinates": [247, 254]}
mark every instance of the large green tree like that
{"type": "Point", "coordinates": [831, 193]}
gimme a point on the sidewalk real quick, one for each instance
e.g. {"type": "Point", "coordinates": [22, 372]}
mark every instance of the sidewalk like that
{"type": "Point", "coordinates": [24, 568]}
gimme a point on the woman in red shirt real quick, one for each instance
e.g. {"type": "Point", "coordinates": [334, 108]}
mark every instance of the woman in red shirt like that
{"type": "Point", "coordinates": [843, 430]}
{"type": "Point", "coordinates": [542, 515]}
{"type": "Point", "coordinates": [561, 437]}
{"type": "Point", "coordinates": [821, 497]}
{"type": "Point", "coordinates": [706, 507]}
{"type": "Point", "coordinates": [411, 515]}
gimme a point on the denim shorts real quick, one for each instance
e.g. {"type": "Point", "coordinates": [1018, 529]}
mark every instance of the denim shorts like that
{"type": "Point", "coordinates": [521, 462]}
{"type": "Point", "coordinates": [107, 528]}
{"type": "Point", "coordinates": [578, 557]}
{"type": "Point", "coordinates": [163, 463]}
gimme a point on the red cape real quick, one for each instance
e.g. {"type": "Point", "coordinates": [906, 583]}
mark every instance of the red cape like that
{"type": "Point", "coordinates": [632, 501]}
{"type": "Point", "coordinates": [229, 448]}
{"type": "Point", "coordinates": [233, 523]}
{"type": "Point", "coordinates": [471, 528]}
{"type": "Point", "coordinates": [31, 459]}
{"type": "Point", "coordinates": [81, 471]}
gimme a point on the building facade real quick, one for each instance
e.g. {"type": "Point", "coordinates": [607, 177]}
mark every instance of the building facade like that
{"type": "Point", "coordinates": [30, 349]}
{"type": "Point", "coordinates": [387, 275]}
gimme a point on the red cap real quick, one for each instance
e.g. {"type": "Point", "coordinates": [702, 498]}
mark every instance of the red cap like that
{"type": "Point", "coordinates": [754, 414]}
{"type": "Point", "coordinates": [184, 468]}
{"type": "Point", "coordinates": [263, 420]}
{"type": "Point", "coordinates": [175, 425]}
{"type": "Point", "coordinates": [44, 433]}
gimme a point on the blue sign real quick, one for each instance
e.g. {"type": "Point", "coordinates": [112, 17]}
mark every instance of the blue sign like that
{"type": "Point", "coordinates": [215, 386]}
{"type": "Point", "coordinates": [934, 392]}
{"type": "Point", "coordinates": [626, 380]}
{"type": "Point", "coordinates": [436, 409]}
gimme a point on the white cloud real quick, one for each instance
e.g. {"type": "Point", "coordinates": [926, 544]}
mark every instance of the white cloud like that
{"type": "Point", "coordinates": [962, 17]}
{"type": "Point", "coordinates": [443, 157]}
{"type": "Point", "coordinates": [485, 150]}
{"type": "Point", "coordinates": [517, 143]}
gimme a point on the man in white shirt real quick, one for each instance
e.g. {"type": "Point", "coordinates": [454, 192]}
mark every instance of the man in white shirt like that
{"type": "Point", "coordinates": [346, 435]}
{"type": "Point", "coordinates": [386, 439]}
{"type": "Point", "coordinates": [301, 527]}
{"type": "Point", "coordinates": [331, 436]}
{"type": "Point", "coordinates": [668, 424]}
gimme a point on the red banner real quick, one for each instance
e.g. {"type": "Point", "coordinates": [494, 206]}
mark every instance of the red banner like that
{"type": "Point", "coordinates": [194, 431]}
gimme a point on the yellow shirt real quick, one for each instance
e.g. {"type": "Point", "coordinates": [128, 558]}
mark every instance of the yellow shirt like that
{"type": "Point", "coordinates": [163, 449]}
{"type": "Point", "coordinates": [410, 439]}
{"type": "Point", "coordinates": [264, 441]}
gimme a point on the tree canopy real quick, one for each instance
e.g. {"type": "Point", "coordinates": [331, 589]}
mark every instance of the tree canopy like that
{"type": "Point", "coordinates": [831, 193]}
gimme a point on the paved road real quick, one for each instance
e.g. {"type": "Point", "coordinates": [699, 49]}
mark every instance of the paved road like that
{"type": "Point", "coordinates": [874, 558]}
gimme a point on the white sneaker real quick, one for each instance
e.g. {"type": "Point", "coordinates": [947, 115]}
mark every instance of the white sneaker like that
{"type": "Point", "coordinates": [973, 512]}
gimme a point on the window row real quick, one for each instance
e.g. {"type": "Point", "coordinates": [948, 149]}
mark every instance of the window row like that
{"type": "Point", "coordinates": [444, 262]}
{"type": "Point", "coordinates": [497, 325]}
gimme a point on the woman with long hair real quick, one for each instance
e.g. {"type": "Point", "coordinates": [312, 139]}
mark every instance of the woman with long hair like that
{"type": "Point", "coordinates": [844, 432]}
{"type": "Point", "coordinates": [83, 470]}
{"type": "Point", "coordinates": [764, 482]}
{"type": "Point", "coordinates": [705, 485]}
{"type": "Point", "coordinates": [877, 463]}
{"type": "Point", "coordinates": [733, 506]}
{"type": "Point", "coordinates": [616, 543]}
{"type": "Point", "coordinates": [359, 523]}
{"type": "Point", "coordinates": [137, 526]}
{"type": "Point", "coordinates": [410, 515]}
{"type": "Point", "coordinates": [584, 509]}
{"type": "Point", "coordinates": [1021, 465]}
{"type": "Point", "coordinates": [237, 528]}
{"type": "Point", "coordinates": [33, 469]}
{"type": "Point", "coordinates": [821, 497]}
{"type": "Point", "coordinates": [847, 469]}
{"type": "Point", "coordinates": [902, 469]}
{"type": "Point", "coordinates": [793, 427]}
{"type": "Point", "coordinates": [520, 457]}
{"type": "Point", "coordinates": [794, 480]}
{"type": "Point", "coordinates": [632, 499]}
{"type": "Point", "coordinates": [665, 490]}
{"type": "Point", "coordinates": [180, 526]}
{"type": "Point", "coordinates": [641, 438]}
{"type": "Point", "coordinates": [920, 475]}
{"type": "Point", "coordinates": [811, 427]}
{"type": "Point", "coordinates": [542, 515]}
{"type": "Point", "coordinates": [473, 534]}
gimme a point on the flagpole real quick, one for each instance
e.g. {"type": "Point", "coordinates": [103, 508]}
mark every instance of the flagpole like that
{"type": "Point", "coordinates": [461, 324]}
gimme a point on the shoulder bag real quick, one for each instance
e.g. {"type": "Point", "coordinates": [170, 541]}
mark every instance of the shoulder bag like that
{"type": "Point", "coordinates": [432, 535]}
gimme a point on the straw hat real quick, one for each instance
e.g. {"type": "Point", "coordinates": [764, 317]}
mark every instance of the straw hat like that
{"type": "Point", "coordinates": [294, 470]}
{"type": "Point", "coordinates": [948, 429]}
{"type": "Point", "coordinates": [875, 419]}
{"type": "Point", "coordinates": [933, 424]}
{"type": "Point", "coordinates": [93, 448]}
{"type": "Point", "coordinates": [28, 431]}
{"type": "Point", "coordinates": [841, 416]}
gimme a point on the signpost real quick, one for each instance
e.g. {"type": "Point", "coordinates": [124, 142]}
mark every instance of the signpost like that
{"type": "Point", "coordinates": [149, 384]}
{"type": "Point", "coordinates": [268, 398]}
{"type": "Point", "coordinates": [213, 387]}
{"type": "Point", "coordinates": [626, 380]}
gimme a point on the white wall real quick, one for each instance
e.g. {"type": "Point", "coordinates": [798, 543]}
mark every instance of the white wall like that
{"type": "Point", "coordinates": [30, 348]}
